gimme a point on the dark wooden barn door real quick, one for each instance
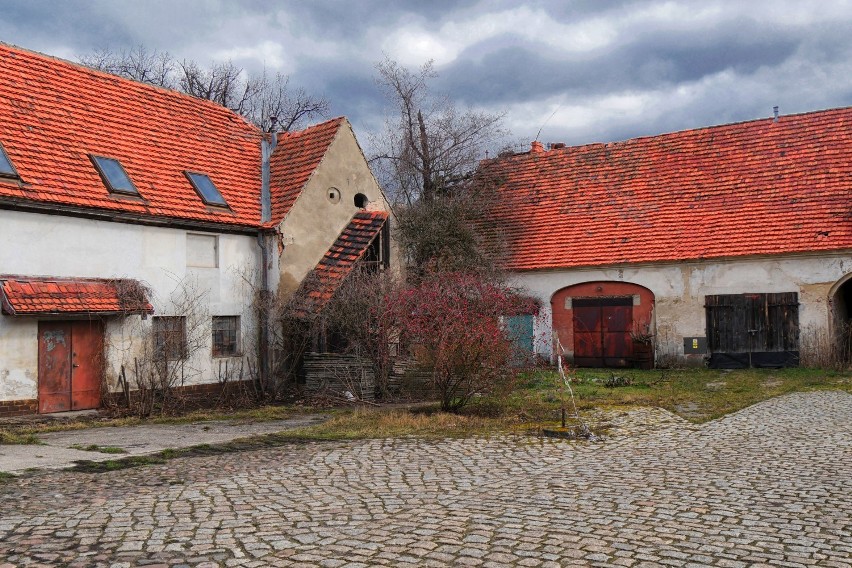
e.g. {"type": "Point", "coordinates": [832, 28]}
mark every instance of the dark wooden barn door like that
{"type": "Point", "coordinates": [753, 330]}
{"type": "Point", "coordinates": [602, 331]}
{"type": "Point", "coordinates": [69, 365]}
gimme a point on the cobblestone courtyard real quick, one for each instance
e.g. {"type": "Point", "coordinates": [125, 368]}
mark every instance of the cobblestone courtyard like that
{"type": "Point", "coordinates": [769, 485]}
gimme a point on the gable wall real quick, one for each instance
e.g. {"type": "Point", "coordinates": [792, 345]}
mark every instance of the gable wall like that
{"type": "Point", "coordinates": [679, 291]}
{"type": "Point", "coordinates": [314, 222]}
{"type": "Point", "coordinates": [54, 245]}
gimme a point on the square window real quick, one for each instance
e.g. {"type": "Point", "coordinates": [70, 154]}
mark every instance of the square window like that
{"type": "Point", "coordinates": [202, 251]}
{"type": "Point", "coordinates": [208, 192]}
{"type": "Point", "coordinates": [169, 338]}
{"type": "Point", "coordinates": [113, 175]}
{"type": "Point", "coordinates": [226, 336]}
{"type": "Point", "coordinates": [6, 167]}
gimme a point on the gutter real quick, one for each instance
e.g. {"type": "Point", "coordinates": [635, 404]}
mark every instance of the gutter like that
{"type": "Point", "coordinates": [124, 217]}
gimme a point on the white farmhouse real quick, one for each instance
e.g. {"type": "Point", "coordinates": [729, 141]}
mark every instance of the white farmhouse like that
{"type": "Point", "coordinates": [139, 224]}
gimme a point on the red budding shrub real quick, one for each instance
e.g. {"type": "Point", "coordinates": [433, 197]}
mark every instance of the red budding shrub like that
{"type": "Point", "coordinates": [452, 321]}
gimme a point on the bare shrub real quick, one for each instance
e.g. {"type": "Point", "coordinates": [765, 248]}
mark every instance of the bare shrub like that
{"type": "Point", "coordinates": [157, 354]}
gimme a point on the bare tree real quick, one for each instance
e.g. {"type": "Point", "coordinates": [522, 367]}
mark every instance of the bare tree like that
{"type": "Point", "coordinates": [266, 101]}
{"type": "Point", "coordinates": [140, 64]}
{"type": "Point", "coordinates": [429, 144]}
{"type": "Point", "coordinates": [291, 107]}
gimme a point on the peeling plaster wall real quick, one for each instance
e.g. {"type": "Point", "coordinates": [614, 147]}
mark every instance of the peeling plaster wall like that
{"type": "Point", "coordinates": [18, 359]}
{"type": "Point", "coordinates": [314, 222]}
{"type": "Point", "coordinates": [54, 245]}
{"type": "Point", "coordinates": [679, 290]}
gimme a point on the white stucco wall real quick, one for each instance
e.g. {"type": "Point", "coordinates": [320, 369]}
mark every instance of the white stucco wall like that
{"type": "Point", "coordinates": [55, 245]}
{"type": "Point", "coordinates": [679, 290]}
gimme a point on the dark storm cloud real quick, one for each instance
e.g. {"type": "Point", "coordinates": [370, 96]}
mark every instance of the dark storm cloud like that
{"type": "Point", "coordinates": [524, 72]}
{"type": "Point", "coordinates": [40, 24]}
{"type": "Point", "coordinates": [589, 70]}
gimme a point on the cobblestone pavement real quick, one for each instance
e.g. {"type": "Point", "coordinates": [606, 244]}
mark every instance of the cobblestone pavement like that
{"type": "Point", "coordinates": [767, 486]}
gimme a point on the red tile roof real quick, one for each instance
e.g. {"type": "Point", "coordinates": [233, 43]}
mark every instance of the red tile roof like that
{"type": "Point", "coordinates": [295, 159]}
{"type": "Point", "coordinates": [54, 113]}
{"type": "Point", "coordinates": [319, 287]}
{"type": "Point", "coordinates": [753, 188]}
{"type": "Point", "coordinates": [22, 295]}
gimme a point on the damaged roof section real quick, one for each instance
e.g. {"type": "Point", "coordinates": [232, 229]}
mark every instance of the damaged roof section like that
{"type": "Point", "coordinates": [763, 187]}
{"type": "Point", "coordinates": [340, 259]}
{"type": "Point", "coordinates": [24, 295]}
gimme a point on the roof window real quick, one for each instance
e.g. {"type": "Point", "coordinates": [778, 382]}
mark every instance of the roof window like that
{"type": "Point", "coordinates": [206, 190]}
{"type": "Point", "coordinates": [115, 178]}
{"type": "Point", "coordinates": [6, 167]}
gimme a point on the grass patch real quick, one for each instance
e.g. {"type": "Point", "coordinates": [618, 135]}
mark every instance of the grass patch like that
{"type": "Point", "coordinates": [368, 423]}
{"type": "Point", "coordinates": [698, 395]}
{"type": "Point", "coordinates": [97, 448]}
{"type": "Point", "coordinates": [5, 476]}
{"type": "Point", "coordinates": [88, 466]}
{"type": "Point", "coordinates": [21, 438]}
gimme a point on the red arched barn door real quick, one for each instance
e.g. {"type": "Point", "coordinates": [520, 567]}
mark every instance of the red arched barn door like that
{"type": "Point", "coordinates": [595, 321]}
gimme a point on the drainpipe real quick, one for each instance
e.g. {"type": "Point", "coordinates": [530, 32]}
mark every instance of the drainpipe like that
{"type": "Point", "coordinates": [267, 147]}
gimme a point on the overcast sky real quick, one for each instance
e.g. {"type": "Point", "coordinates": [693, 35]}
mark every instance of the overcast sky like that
{"type": "Point", "coordinates": [580, 70]}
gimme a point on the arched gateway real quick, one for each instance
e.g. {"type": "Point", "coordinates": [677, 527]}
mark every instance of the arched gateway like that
{"type": "Point", "coordinates": [603, 324]}
{"type": "Point", "coordinates": [841, 306]}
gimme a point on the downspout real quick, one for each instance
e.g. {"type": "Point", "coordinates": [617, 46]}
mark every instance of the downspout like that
{"type": "Point", "coordinates": [267, 147]}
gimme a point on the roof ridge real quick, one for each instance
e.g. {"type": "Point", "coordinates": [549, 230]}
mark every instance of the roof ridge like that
{"type": "Point", "coordinates": [723, 125]}
{"type": "Point", "coordinates": [303, 131]}
{"type": "Point", "coordinates": [141, 84]}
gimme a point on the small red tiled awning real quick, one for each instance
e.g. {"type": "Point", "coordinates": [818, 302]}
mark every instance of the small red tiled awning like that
{"type": "Point", "coordinates": [35, 296]}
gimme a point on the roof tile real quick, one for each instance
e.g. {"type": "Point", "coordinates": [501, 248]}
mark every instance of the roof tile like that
{"type": "Point", "coordinates": [24, 295]}
{"type": "Point", "coordinates": [54, 113]}
{"type": "Point", "coordinates": [340, 259]}
{"type": "Point", "coordinates": [296, 157]}
{"type": "Point", "coordinates": [759, 187]}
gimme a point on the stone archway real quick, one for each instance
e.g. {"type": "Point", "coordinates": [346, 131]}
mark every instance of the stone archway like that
{"type": "Point", "coordinates": [840, 299]}
{"type": "Point", "coordinates": [596, 322]}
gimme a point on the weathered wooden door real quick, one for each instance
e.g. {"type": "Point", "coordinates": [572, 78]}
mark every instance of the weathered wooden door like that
{"type": "Point", "coordinates": [753, 330]}
{"type": "Point", "coordinates": [602, 331]}
{"type": "Point", "coordinates": [69, 365]}
{"type": "Point", "coordinates": [521, 333]}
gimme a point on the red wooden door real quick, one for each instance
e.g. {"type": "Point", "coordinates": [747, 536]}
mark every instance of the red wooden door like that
{"type": "Point", "coordinates": [602, 331]}
{"type": "Point", "coordinates": [69, 365]}
{"type": "Point", "coordinates": [588, 341]}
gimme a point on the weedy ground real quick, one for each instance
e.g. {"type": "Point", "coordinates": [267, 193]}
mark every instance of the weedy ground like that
{"type": "Point", "coordinates": [534, 403]}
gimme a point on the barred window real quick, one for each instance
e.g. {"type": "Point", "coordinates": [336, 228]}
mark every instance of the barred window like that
{"type": "Point", "coordinates": [226, 336]}
{"type": "Point", "coordinates": [169, 337]}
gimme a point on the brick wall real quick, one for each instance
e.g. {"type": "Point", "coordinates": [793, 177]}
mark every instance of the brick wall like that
{"type": "Point", "coordinates": [18, 407]}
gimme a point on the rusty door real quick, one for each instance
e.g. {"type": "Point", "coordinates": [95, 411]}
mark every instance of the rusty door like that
{"type": "Point", "coordinates": [69, 365]}
{"type": "Point", "coordinates": [602, 331]}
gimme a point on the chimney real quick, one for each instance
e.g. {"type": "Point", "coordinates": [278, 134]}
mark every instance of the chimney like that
{"type": "Point", "coordinates": [537, 147]}
{"type": "Point", "coordinates": [775, 112]}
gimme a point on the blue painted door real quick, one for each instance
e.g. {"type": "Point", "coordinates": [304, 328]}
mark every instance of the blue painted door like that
{"type": "Point", "coordinates": [520, 332]}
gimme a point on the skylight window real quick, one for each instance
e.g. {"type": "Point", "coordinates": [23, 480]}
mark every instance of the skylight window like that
{"type": "Point", "coordinates": [205, 188]}
{"type": "Point", "coordinates": [6, 167]}
{"type": "Point", "coordinates": [114, 176]}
